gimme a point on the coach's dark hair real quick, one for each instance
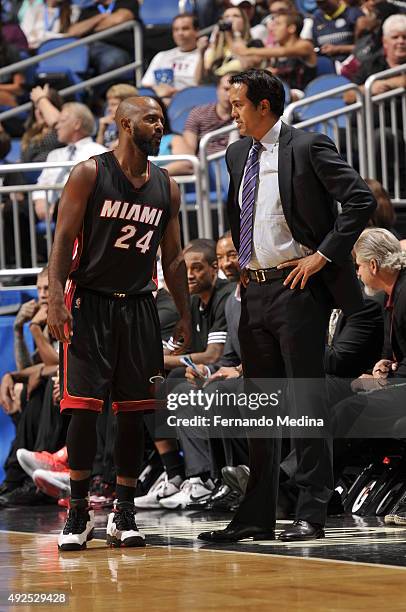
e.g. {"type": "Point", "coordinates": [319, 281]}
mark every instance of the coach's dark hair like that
{"type": "Point", "coordinates": [262, 85]}
{"type": "Point", "coordinates": [206, 246]}
{"type": "Point", "coordinates": [193, 17]}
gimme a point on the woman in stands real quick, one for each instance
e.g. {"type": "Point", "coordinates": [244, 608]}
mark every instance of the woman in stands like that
{"type": "Point", "coordinates": [46, 20]}
{"type": "Point", "coordinates": [40, 136]}
{"type": "Point", "coordinates": [219, 58]}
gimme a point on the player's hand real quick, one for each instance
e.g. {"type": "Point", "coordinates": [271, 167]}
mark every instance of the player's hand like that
{"type": "Point", "coordinates": [192, 376]}
{"type": "Point", "coordinates": [182, 335]}
{"type": "Point", "coordinates": [303, 269]}
{"type": "Point", "coordinates": [225, 373]}
{"type": "Point", "coordinates": [26, 313]}
{"type": "Point", "coordinates": [7, 395]}
{"type": "Point", "coordinates": [60, 322]}
{"type": "Point", "coordinates": [40, 318]}
{"type": "Point", "coordinates": [383, 367]}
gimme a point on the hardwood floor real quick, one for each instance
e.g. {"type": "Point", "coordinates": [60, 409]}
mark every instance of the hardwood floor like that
{"type": "Point", "coordinates": [168, 578]}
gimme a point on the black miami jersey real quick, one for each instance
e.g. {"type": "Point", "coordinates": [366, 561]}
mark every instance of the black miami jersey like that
{"type": "Point", "coordinates": [116, 249]}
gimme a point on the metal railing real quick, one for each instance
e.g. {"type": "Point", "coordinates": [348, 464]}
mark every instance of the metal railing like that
{"type": "Point", "coordinates": [341, 124]}
{"type": "Point", "coordinates": [385, 117]}
{"type": "Point", "coordinates": [137, 64]}
{"type": "Point", "coordinates": [19, 269]}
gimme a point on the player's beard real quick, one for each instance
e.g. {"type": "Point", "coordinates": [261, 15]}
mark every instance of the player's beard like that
{"type": "Point", "coordinates": [149, 147]}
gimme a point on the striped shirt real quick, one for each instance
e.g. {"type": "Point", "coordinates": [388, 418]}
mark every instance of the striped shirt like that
{"type": "Point", "coordinates": [204, 119]}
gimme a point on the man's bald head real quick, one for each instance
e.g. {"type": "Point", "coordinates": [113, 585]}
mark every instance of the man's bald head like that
{"type": "Point", "coordinates": [140, 119]}
{"type": "Point", "coordinates": [134, 106]}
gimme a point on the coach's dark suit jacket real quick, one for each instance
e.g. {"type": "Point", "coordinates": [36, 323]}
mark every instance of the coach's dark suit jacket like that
{"type": "Point", "coordinates": [312, 178]}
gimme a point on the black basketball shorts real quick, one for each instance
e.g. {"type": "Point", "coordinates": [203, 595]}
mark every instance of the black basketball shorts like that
{"type": "Point", "coordinates": [115, 350]}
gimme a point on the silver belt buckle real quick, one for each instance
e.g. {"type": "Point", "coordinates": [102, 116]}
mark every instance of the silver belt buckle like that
{"type": "Point", "coordinates": [120, 295]}
{"type": "Point", "coordinates": [260, 276]}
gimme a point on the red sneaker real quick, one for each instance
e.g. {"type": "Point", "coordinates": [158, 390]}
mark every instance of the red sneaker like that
{"type": "Point", "coordinates": [31, 460]}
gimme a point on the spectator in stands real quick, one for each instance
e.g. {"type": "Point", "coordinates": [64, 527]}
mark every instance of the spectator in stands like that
{"type": "Point", "coordinates": [107, 134]}
{"type": "Point", "coordinates": [6, 206]}
{"type": "Point", "coordinates": [334, 25]}
{"type": "Point", "coordinates": [74, 129]}
{"type": "Point", "coordinates": [293, 60]}
{"type": "Point", "coordinates": [116, 50]}
{"type": "Point", "coordinates": [218, 58]}
{"type": "Point", "coordinates": [257, 29]}
{"type": "Point", "coordinates": [40, 137]}
{"type": "Point", "coordinates": [384, 215]}
{"type": "Point", "coordinates": [281, 7]}
{"type": "Point", "coordinates": [12, 33]}
{"type": "Point", "coordinates": [173, 70]}
{"type": "Point", "coordinates": [392, 55]}
{"type": "Point", "coordinates": [202, 120]}
{"type": "Point", "coordinates": [46, 20]}
{"type": "Point", "coordinates": [11, 84]}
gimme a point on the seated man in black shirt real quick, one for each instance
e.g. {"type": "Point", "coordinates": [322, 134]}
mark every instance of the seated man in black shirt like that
{"type": "Point", "coordinates": [117, 50]}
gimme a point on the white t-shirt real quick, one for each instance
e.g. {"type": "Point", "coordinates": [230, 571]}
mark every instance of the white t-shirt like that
{"type": "Point", "coordinates": [183, 63]}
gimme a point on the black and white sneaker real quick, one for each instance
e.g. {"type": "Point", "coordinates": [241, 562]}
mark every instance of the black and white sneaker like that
{"type": "Point", "coordinates": [122, 529]}
{"type": "Point", "coordinates": [78, 528]}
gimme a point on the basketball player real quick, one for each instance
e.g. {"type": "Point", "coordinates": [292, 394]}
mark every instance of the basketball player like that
{"type": "Point", "coordinates": [115, 210]}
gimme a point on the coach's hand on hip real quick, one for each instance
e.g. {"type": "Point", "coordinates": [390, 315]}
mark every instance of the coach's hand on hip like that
{"type": "Point", "coordinates": [60, 322]}
{"type": "Point", "coordinates": [303, 268]}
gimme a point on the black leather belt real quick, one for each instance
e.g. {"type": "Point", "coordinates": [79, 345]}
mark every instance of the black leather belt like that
{"type": "Point", "coordinates": [267, 274]}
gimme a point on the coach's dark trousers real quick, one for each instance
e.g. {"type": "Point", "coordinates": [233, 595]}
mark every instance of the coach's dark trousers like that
{"type": "Point", "coordinates": [282, 334]}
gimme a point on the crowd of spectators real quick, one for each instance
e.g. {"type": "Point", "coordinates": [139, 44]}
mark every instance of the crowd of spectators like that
{"type": "Point", "coordinates": [361, 38]}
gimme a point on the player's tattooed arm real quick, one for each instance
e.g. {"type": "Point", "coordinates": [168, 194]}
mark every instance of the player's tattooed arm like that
{"type": "Point", "coordinates": [174, 269]}
{"type": "Point", "coordinates": [72, 207]}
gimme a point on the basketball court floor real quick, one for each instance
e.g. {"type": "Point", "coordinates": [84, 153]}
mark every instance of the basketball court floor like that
{"type": "Point", "coordinates": [359, 566]}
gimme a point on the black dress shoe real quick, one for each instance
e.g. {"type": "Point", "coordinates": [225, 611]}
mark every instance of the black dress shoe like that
{"type": "Point", "coordinates": [302, 530]}
{"type": "Point", "coordinates": [233, 533]}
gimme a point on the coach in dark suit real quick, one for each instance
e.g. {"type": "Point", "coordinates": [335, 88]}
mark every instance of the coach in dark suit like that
{"type": "Point", "coordinates": [295, 252]}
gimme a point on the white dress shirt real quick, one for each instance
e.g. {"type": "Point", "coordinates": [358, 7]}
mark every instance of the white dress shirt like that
{"type": "Point", "coordinates": [273, 242]}
{"type": "Point", "coordinates": [84, 149]}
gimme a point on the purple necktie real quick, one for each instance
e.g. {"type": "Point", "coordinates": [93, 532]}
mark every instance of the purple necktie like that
{"type": "Point", "coordinates": [247, 207]}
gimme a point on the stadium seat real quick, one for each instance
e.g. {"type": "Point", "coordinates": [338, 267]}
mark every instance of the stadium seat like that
{"type": "Point", "coordinates": [68, 67]}
{"type": "Point", "coordinates": [325, 65]}
{"type": "Point", "coordinates": [146, 91]}
{"type": "Point", "coordinates": [315, 109]}
{"type": "Point", "coordinates": [305, 6]}
{"type": "Point", "coordinates": [324, 83]}
{"type": "Point", "coordinates": [14, 155]}
{"type": "Point", "coordinates": [183, 102]}
{"type": "Point", "coordinates": [152, 15]}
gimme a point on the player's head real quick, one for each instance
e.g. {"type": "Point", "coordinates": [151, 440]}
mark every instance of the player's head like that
{"type": "Point", "coordinates": [42, 286]}
{"type": "Point", "coordinates": [201, 264]}
{"type": "Point", "coordinates": [227, 257]}
{"type": "Point", "coordinates": [140, 120]}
